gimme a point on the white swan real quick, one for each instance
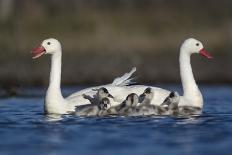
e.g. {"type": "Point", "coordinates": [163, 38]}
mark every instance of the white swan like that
{"type": "Point", "coordinates": [54, 101]}
{"type": "Point", "coordinates": [192, 96]}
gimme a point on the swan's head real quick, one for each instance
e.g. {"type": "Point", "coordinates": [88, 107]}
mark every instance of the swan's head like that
{"type": "Point", "coordinates": [132, 100]}
{"type": "Point", "coordinates": [48, 46]}
{"type": "Point", "coordinates": [192, 45]}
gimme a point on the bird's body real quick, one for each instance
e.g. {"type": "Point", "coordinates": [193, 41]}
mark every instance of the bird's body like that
{"type": "Point", "coordinates": [170, 104]}
{"type": "Point", "coordinates": [126, 106]}
{"type": "Point", "coordinates": [93, 109]}
{"type": "Point", "coordinates": [146, 97]}
{"type": "Point", "coordinates": [87, 110]}
{"type": "Point", "coordinates": [96, 108]}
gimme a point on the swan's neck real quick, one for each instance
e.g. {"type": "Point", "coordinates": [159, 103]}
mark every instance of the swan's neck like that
{"type": "Point", "coordinates": [54, 101]}
{"type": "Point", "coordinates": [55, 74]}
{"type": "Point", "coordinates": [190, 88]}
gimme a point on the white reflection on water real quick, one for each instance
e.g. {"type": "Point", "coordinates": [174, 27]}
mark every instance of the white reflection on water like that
{"type": "Point", "coordinates": [54, 117]}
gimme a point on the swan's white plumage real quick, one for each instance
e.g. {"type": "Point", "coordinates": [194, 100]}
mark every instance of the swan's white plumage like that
{"type": "Point", "coordinates": [120, 93]}
{"type": "Point", "coordinates": [125, 79]}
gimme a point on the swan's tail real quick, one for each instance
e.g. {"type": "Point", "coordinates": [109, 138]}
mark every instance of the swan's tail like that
{"type": "Point", "coordinates": [125, 80]}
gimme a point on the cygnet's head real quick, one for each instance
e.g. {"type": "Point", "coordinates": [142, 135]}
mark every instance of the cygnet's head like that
{"type": "Point", "coordinates": [174, 97]}
{"type": "Point", "coordinates": [103, 93]}
{"type": "Point", "coordinates": [132, 100]}
{"type": "Point", "coordinates": [104, 104]}
{"type": "Point", "coordinates": [147, 94]}
{"type": "Point", "coordinates": [48, 46]}
{"type": "Point", "coordinates": [192, 45]}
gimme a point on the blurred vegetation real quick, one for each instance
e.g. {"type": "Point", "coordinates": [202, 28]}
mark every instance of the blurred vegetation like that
{"type": "Point", "coordinates": [102, 39]}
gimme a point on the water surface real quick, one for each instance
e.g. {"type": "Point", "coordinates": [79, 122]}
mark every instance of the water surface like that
{"type": "Point", "coordinates": [24, 130]}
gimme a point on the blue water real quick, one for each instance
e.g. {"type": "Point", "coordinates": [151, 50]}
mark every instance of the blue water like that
{"type": "Point", "coordinates": [24, 130]}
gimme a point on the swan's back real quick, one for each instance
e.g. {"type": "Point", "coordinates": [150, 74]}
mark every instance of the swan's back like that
{"type": "Point", "coordinates": [119, 93]}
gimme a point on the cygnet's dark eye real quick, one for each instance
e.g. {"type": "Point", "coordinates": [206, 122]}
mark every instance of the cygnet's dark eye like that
{"type": "Point", "coordinates": [197, 44]}
{"type": "Point", "coordinates": [49, 43]}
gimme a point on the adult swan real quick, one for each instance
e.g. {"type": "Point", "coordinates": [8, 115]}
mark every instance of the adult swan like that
{"type": "Point", "coordinates": [55, 103]}
{"type": "Point", "coordinates": [192, 97]}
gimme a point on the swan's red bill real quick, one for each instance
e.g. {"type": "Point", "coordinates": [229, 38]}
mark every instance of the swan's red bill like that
{"type": "Point", "coordinates": [38, 51]}
{"type": "Point", "coordinates": [206, 53]}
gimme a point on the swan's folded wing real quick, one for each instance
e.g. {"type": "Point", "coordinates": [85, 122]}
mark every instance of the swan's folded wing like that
{"type": "Point", "coordinates": [124, 80]}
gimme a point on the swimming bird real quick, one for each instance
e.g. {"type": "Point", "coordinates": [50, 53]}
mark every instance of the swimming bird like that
{"type": "Point", "coordinates": [101, 93]}
{"type": "Point", "coordinates": [55, 103]}
{"type": "Point", "coordinates": [93, 109]}
{"type": "Point", "coordinates": [170, 104]}
{"type": "Point", "coordinates": [104, 107]}
{"type": "Point", "coordinates": [146, 97]}
{"type": "Point", "coordinates": [99, 105]}
{"type": "Point", "coordinates": [87, 110]}
{"type": "Point", "coordinates": [126, 106]}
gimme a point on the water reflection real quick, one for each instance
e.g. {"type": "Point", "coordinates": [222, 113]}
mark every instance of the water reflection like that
{"type": "Point", "coordinates": [54, 117]}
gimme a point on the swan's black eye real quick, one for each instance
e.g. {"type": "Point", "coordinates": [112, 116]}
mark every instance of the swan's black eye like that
{"type": "Point", "coordinates": [197, 44]}
{"type": "Point", "coordinates": [49, 43]}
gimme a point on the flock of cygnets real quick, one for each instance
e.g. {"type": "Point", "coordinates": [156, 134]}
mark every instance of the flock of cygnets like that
{"type": "Point", "coordinates": [133, 105]}
{"type": "Point", "coordinates": [120, 98]}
